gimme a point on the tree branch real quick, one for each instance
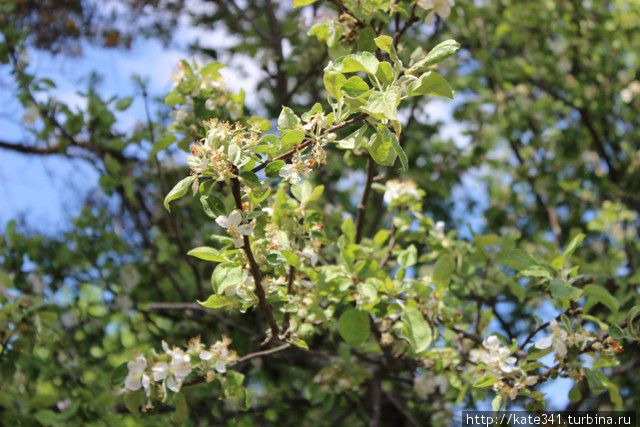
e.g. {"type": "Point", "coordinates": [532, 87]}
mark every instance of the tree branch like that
{"type": "Point", "coordinates": [362, 206]}
{"type": "Point", "coordinates": [264, 306]}
{"type": "Point", "coordinates": [308, 142]}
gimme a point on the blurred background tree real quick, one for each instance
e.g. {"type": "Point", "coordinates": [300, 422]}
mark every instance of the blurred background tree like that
{"type": "Point", "coordinates": [542, 141]}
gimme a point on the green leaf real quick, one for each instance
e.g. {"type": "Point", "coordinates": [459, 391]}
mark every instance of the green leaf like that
{"type": "Point", "coordinates": [206, 253]}
{"type": "Point", "coordinates": [118, 375]}
{"type": "Point", "coordinates": [212, 205]}
{"type": "Point", "coordinates": [133, 401]}
{"type": "Point", "coordinates": [596, 381]}
{"type": "Point", "coordinates": [443, 270]}
{"type": "Point", "coordinates": [219, 301]}
{"type": "Point", "coordinates": [355, 139]}
{"type": "Point", "coordinates": [385, 43]}
{"type": "Point", "coordinates": [384, 105]}
{"type": "Point", "coordinates": [562, 290]}
{"type": "Point", "coordinates": [292, 258]}
{"type": "Point", "coordinates": [415, 328]}
{"type": "Point", "coordinates": [124, 103]}
{"type": "Point", "coordinates": [178, 191]}
{"type": "Point", "coordinates": [430, 83]}
{"type": "Point", "coordinates": [292, 137]}
{"type": "Point", "coordinates": [273, 168]}
{"type": "Point", "coordinates": [164, 143]}
{"type": "Point", "coordinates": [404, 161]}
{"type": "Point", "coordinates": [333, 82]}
{"type": "Point", "coordinates": [355, 86]}
{"type": "Point", "coordinates": [515, 259]}
{"type": "Point", "coordinates": [287, 119]}
{"type": "Point", "coordinates": [485, 381]}
{"type": "Point", "coordinates": [182, 410]}
{"type": "Point", "coordinates": [575, 394]}
{"type": "Point", "coordinates": [353, 326]}
{"type": "Point", "coordinates": [601, 295]}
{"type": "Point", "coordinates": [226, 276]}
{"type": "Point", "coordinates": [250, 179]}
{"type": "Point", "coordinates": [357, 62]}
{"type": "Point", "coordinates": [381, 148]}
{"type": "Point", "coordinates": [385, 73]}
{"type": "Point", "coordinates": [300, 3]}
{"type": "Point", "coordinates": [408, 257]}
{"type": "Point", "coordinates": [573, 245]}
{"type": "Point", "coordinates": [440, 52]}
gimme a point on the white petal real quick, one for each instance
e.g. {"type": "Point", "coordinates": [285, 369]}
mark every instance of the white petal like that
{"type": "Point", "coordinates": [160, 371]}
{"type": "Point", "coordinates": [222, 221]}
{"type": "Point", "coordinates": [544, 343]}
{"type": "Point", "coordinates": [246, 229]}
{"type": "Point", "coordinates": [132, 382]}
{"type": "Point", "coordinates": [146, 384]}
{"type": "Point", "coordinates": [286, 171]}
{"type": "Point", "coordinates": [221, 366]}
{"type": "Point", "coordinates": [560, 347]}
{"type": "Point", "coordinates": [235, 219]}
{"type": "Point", "coordinates": [238, 241]}
{"type": "Point", "coordinates": [173, 384]}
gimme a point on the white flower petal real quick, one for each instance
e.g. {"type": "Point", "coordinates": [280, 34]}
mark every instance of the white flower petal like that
{"type": "Point", "coordinates": [160, 371]}
{"type": "Point", "coordinates": [132, 382]}
{"type": "Point", "coordinates": [222, 221]}
{"type": "Point", "coordinates": [544, 343]}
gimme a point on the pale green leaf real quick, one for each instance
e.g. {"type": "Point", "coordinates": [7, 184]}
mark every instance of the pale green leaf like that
{"type": "Point", "coordinates": [178, 191]}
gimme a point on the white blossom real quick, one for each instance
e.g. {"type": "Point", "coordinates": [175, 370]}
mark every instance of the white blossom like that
{"type": "Point", "coordinates": [235, 228]}
{"type": "Point", "coordinates": [425, 384]}
{"type": "Point", "coordinates": [396, 191]}
{"type": "Point", "coordinates": [630, 92]}
{"type": "Point", "coordinates": [295, 171]}
{"type": "Point", "coordinates": [174, 372]}
{"type": "Point", "coordinates": [137, 378]}
{"type": "Point", "coordinates": [441, 8]}
{"type": "Point", "coordinates": [494, 355]}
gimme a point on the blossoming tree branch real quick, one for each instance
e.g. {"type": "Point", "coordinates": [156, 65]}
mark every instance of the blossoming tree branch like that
{"type": "Point", "coordinates": [375, 298]}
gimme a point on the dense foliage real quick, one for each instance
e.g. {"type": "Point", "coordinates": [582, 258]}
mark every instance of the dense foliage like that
{"type": "Point", "coordinates": [330, 262]}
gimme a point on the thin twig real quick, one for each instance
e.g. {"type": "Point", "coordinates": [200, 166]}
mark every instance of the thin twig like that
{"type": "Point", "coordinates": [307, 142]}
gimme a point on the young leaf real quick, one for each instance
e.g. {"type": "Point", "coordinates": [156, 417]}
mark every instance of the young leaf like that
{"type": "Point", "coordinates": [207, 253]}
{"type": "Point", "coordinates": [287, 119]}
{"type": "Point", "coordinates": [415, 329]}
{"type": "Point", "coordinates": [601, 295]}
{"type": "Point", "coordinates": [440, 52]}
{"type": "Point", "coordinates": [178, 191]}
{"type": "Point", "coordinates": [430, 83]}
{"type": "Point", "coordinates": [515, 259]}
{"type": "Point", "coordinates": [219, 301]}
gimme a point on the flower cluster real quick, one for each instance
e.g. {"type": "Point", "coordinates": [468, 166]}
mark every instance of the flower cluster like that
{"type": "Point", "coordinates": [442, 8]}
{"type": "Point", "coordinates": [401, 193]}
{"type": "Point", "coordinates": [494, 355]}
{"type": "Point", "coordinates": [295, 171]}
{"type": "Point", "coordinates": [496, 360]}
{"type": "Point", "coordinates": [219, 152]}
{"type": "Point", "coordinates": [560, 339]}
{"type": "Point", "coordinates": [235, 228]}
{"type": "Point", "coordinates": [426, 384]}
{"type": "Point", "coordinates": [170, 369]}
